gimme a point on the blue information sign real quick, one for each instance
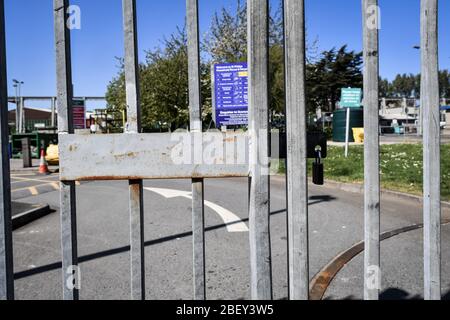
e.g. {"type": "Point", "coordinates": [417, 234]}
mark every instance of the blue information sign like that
{"type": "Point", "coordinates": [231, 94]}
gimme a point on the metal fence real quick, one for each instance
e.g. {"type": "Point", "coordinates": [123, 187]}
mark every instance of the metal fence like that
{"type": "Point", "coordinates": [127, 156]}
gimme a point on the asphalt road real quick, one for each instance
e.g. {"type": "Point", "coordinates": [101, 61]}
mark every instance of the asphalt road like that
{"type": "Point", "coordinates": [336, 223]}
{"type": "Point", "coordinates": [24, 185]}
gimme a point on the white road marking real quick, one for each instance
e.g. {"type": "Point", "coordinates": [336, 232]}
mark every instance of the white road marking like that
{"type": "Point", "coordinates": [232, 221]}
{"type": "Point", "coordinates": [36, 180]}
{"type": "Point", "coordinates": [37, 186]}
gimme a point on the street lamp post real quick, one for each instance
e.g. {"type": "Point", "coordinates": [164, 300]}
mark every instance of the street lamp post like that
{"type": "Point", "coordinates": [17, 107]}
{"type": "Point", "coordinates": [20, 116]}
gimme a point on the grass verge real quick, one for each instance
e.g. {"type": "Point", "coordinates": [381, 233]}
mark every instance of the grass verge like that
{"type": "Point", "coordinates": [401, 167]}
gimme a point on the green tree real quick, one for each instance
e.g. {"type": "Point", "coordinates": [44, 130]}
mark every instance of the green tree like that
{"type": "Point", "coordinates": [444, 84]}
{"type": "Point", "coordinates": [164, 83]}
{"type": "Point", "coordinates": [405, 85]}
{"type": "Point", "coordinates": [226, 40]}
{"type": "Point", "coordinates": [408, 85]}
{"type": "Point", "coordinates": [385, 88]}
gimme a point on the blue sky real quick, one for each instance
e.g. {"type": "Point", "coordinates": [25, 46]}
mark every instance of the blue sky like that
{"type": "Point", "coordinates": [30, 47]}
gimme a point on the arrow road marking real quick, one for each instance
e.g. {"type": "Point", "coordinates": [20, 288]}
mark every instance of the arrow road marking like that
{"type": "Point", "coordinates": [232, 221]}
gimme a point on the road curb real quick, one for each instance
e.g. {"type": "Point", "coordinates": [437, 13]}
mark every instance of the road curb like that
{"type": "Point", "coordinates": [359, 188]}
{"type": "Point", "coordinates": [322, 280]}
{"type": "Point", "coordinates": [24, 218]}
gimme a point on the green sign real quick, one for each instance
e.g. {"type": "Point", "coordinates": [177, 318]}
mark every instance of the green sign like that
{"type": "Point", "coordinates": [351, 98]}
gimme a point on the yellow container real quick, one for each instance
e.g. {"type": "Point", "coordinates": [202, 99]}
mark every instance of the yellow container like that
{"type": "Point", "coordinates": [358, 135]}
{"type": "Point", "coordinates": [52, 155]}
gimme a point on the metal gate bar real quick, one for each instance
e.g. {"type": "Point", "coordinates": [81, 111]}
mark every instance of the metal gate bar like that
{"type": "Point", "coordinates": [144, 155]}
{"type": "Point", "coordinates": [260, 253]}
{"type": "Point", "coordinates": [297, 177]}
{"type": "Point", "coordinates": [133, 126]}
{"type": "Point", "coordinates": [431, 149]}
{"type": "Point", "coordinates": [6, 248]}
{"type": "Point", "coordinates": [258, 97]}
{"type": "Point", "coordinates": [196, 126]}
{"type": "Point", "coordinates": [65, 127]}
{"type": "Point", "coordinates": [371, 151]}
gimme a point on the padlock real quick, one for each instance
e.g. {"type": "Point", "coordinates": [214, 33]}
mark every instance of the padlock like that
{"type": "Point", "coordinates": [318, 169]}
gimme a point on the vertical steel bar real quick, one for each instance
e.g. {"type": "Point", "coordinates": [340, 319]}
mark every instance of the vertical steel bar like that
{"type": "Point", "coordinates": [297, 177]}
{"type": "Point", "coordinates": [420, 125]}
{"type": "Point", "coordinates": [198, 220]}
{"type": "Point", "coordinates": [22, 115]}
{"type": "Point", "coordinates": [52, 121]}
{"type": "Point", "coordinates": [17, 112]}
{"type": "Point", "coordinates": [6, 248]}
{"type": "Point", "coordinates": [198, 226]}
{"type": "Point", "coordinates": [134, 126]}
{"type": "Point", "coordinates": [65, 126]}
{"type": "Point", "coordinates": [431, 149]}
{"type": "Point", "coordinates": [137, 254]}
{"type": "Point", "coordinates": [405, 105]}
{"type": "Point", "coordinates": [258, 58]}
{"type": "Point", "coordinates": [17, 109]}
{"type": "Point", "coordinates": [371, 151]}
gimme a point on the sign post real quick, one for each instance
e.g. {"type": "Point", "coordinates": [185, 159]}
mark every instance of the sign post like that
{"type": "Point", "coordinates": [350, 98]}
{"type": "Point", "coordinates": [347, 129]}
{"type": "Point", "coordinates": [230, 94]}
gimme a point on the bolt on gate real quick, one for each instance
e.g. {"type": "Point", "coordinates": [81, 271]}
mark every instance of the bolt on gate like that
{"type": "Point", "coordinates": [135, 156]}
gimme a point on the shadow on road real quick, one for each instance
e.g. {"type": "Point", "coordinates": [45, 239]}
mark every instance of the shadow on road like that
{"type": "Point", "coordinates": [393, 294]}
{"type": "Point", "coordinates": [107, 253]}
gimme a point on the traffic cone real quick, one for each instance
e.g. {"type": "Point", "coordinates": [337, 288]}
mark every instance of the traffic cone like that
{"type": "Point", "coordinates": [43, 166]}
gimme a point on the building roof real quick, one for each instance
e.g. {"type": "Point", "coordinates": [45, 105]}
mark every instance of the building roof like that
{"type": "Point", "coordinates": [36, 109]}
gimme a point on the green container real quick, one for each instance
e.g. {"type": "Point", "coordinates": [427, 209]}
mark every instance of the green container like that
{"type": "Point", "coordinates": [340, 123]}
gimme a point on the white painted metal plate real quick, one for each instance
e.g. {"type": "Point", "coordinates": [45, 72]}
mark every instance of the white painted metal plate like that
{"type": "Point", "coordinates": [153, 156]}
